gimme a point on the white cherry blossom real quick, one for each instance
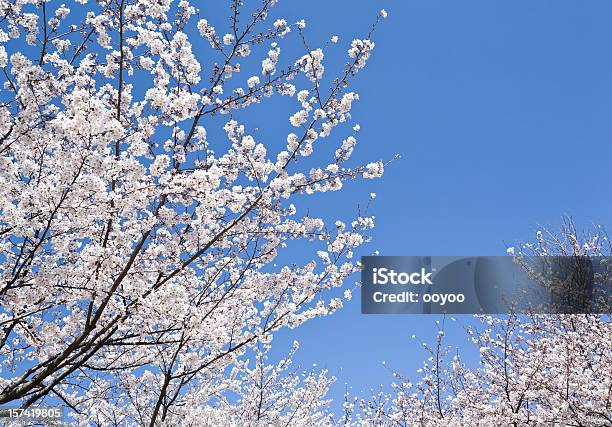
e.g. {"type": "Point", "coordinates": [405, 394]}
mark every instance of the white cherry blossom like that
{"type": "Point", "coordinates": [142, 214]}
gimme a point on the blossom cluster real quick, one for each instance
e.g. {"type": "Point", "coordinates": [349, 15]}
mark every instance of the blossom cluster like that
{"type": "Point", "coordinates": [142, 215]}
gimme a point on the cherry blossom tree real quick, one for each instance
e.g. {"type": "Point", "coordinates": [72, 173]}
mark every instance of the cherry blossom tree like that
{"type": "Point", "coordinates": [138, 283]}
{"type": "Point", "coordinates": [533, 370]}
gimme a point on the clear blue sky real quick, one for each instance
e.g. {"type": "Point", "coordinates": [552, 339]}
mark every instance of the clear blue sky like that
{"type": "Point", "coordinates": [502, 114]}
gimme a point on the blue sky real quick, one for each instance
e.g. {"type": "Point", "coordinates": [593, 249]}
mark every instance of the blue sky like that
{"type": "Point", "coordinates": [501, 112]}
